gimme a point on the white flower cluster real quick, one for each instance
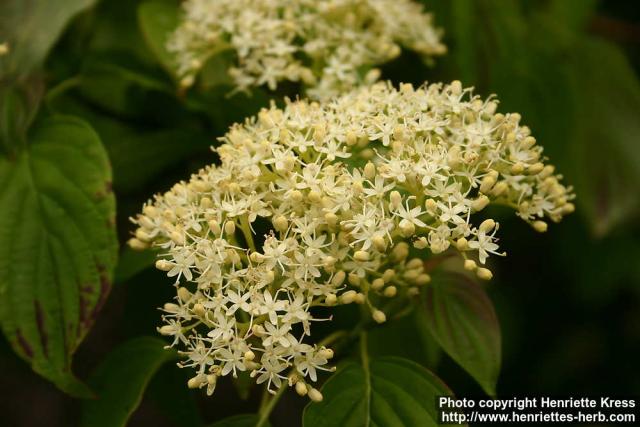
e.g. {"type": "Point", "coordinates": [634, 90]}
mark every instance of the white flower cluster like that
{"type": "Point", "coordinates": [343, 190]}
{"type": "Point", "coordinates": [329, 45]}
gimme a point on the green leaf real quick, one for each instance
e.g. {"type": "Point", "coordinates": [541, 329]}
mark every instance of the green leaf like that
{"type": "Point", "coordinates": [19, 104]}
{"type": "Point", "coordinates": [390, 338]}
{"type": "Point", "coordinates": [462, 319]}
{"type": "Point", "coordinates": [132, 262]}
{"type": "Point", "coordinates": [31, 27]}
{"type": "Point", "coordinates": [57, 245]}
{"type": "Point", "coordinates": [243, 420]}
{"type": "Point", "coordinates": [604, 145]}
{"type": "Point", "coordinates": [121, 379]}
{"type": "Point", "coordinates": [157, 19]}
{"type": "Point", "coordinates": [388, 391]}
{"type": "Point", "coordinates": [175, 402]}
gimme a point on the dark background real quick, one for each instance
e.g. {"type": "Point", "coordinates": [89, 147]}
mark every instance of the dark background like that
{"type": "Point", "coordinates": [568, 300]}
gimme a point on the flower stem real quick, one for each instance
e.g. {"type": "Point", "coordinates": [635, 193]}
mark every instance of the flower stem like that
{"type": "Point", "coordinates": [267, 408]}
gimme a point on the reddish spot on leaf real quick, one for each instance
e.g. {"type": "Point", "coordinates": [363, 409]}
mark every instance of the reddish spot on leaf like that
{"type": "Point", "coordinates": [26, 347]}
{"type": "Point", "coordinates": [44, 338]}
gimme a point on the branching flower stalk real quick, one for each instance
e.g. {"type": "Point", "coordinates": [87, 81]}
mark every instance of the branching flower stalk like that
{"type": "Point", "coordinates": [330, 46]}
{"type": "Point", "coordinates": [346, 188]}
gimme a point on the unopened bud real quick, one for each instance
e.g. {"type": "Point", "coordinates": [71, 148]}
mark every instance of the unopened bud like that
{"type": "Point", "coordinates": [196, 381]}
{"type": "Point", "coordinates": [470, 265]}
{"type": "Point", "coordinates": [487, 184]}
{"type": "Point", "coordinates": [214, 226]}
{"type": "Point", "coordinates": [390, 291]}
{"type": "Point", "coordinates": [395, 199]}
{"type": "Point", "coordinates": [199, 310]}
{"type": "Point", "coordinates": [338, 278]}
{"type": "Point", "coordinates": [484, 273]}
{"type": "Point", "coordinates": [301, 388]}
{"type": "Point", "coordinates": [540, 226]}
{"type": "Point", "coordinates": [377, 284]}
{"type": "Point", "coordinates": [499, 188]}
{"type": "Point", "coordinates": [379, 243]}
{"type": "Point", "coordinates": [280, 223]}
{"type": "Point", "coordinates": [348, 297]}
{"type": "Point", "coordinates": [331, 218]}
{"type": "Point", "coordinates": [354, 279]}
{"type": "Point", "coordinates": [423, 279]}
{"type": "Point", "coordinates": [184, 294]}
{"type": "Point", "coordinates": [487, 225]}
{"type": "Point", "coordinates": [462, 244]}
{"type": "Point", "coordinates": [361, 256]}
{"type": "Point", "coordinates": [480, 203]}
{"type": "Point", "coordinates": [229, 227]}
{"type": "Point", "coordinates": [388, 275]}
{"type": "Point", "coordinates": [314, 395]}
{"type": "Point", "coordinates": [166, 330]}
{"type": "Point", "coordinates": [163, 265]}
{"type": "Point", "coordinates": [137, 244]}
{"type": "Point", "coordinates": [415, 263]}
{"type": "Point", "coordinates": [379, 316]}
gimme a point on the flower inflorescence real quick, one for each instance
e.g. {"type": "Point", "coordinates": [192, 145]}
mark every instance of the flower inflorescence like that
{"type": "Point", "coordinates": [347, 187]}
{"type": "Point", "coordinates": [330, 45]}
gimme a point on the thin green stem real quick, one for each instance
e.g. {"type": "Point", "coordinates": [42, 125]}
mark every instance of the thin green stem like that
{"type": "Point", "coordinates": [364, 357]}
{"type": "Point", "coordinates": [268, 404]}
{"type": "Point", "coordinates": [246, 230]}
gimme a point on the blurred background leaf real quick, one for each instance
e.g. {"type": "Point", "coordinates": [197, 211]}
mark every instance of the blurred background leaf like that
{"type": "Point", "coordinates": [31, 27]}
{"type": "Point", "coordinates": [121, 379]}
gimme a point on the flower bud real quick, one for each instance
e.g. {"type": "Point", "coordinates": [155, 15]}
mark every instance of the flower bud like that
{"type": "Point", "coordinates": [395, 199]}
{"type": "Point", "coordinates": [480, 203]}
{"type": "Point", "coordinates": [370, 170]}
{"type": "Point", "coordinates": [338, 278]}
{"type": "Point", "coordinates": [540, 226]}
{"type": "Point", "coordinates": [361, 256]}
{"type": "Point", "coordinates": [348, 297]}
{"type": "Point", "coordinates": [390, 291]}
{"type": "Point", "coordinates": [137, 244]}
{"type": "Point", "coordinates": [487, 225]}
{"type": "Point", "coordinates": [314, 395]}
{"type": "Point", "coordinates": [470, 265]}
{"type": "Point", "coordinates": [388, 275]}
{"type": "Point", "coordinates": [484, 273]}
{"type": "Point", "coordinates": [354, 279]}
{"type": "Point", "coordinates": [301, 388]}
{"type": "Point", "coordinates": [184, 294]}
{"type": "Point", "coordinates": [229, 227]}
{"type": "Point", "coordinates": [280, 223]}
{"type": "Point", "coordinates": [377, 284]}
{"type": "Point", "coordinates": [163, 265]}
{"type": "Point", "coordinates": [379, 316]}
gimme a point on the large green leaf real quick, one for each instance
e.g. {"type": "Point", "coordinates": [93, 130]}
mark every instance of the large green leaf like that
{"type": "Point", "coordinates": [391, 338]}
{"type": "Point", "coordinates": [462, 319]}
{"type": "Point", "coordinates": [157, 19]}
{"type": "Point", "coordinates": [388, 391]}
{"type": "Point", "coordinates": [605, 144]}
{"type": "Point", "coordinates": [57, 245]}
{"type": "Point", "coordinates": [121, 379]}
{"type": "Point", "coordinates": [31, 27]}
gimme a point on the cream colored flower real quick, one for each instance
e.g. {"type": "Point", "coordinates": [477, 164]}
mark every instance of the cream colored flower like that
{"type": "Point", "coordinates": [415, 165]}
{"type": "Point", "coordinates": [328, 45]}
